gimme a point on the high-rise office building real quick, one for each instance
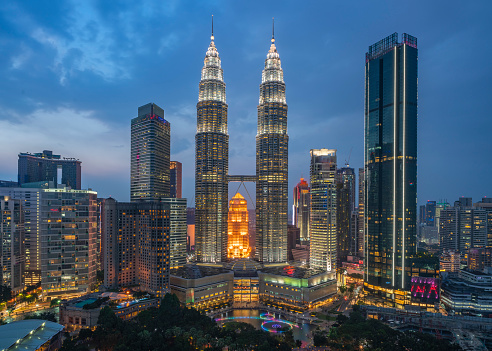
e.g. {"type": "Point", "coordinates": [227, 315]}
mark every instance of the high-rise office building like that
{"type": "Point", "coordinates": [237, 231]}
{"type": "Point", "coordinates": [45, 167]}
{"type": "Point", "coordinates": [212, 162]}
{"type": "Point", "coordinates": [272, 163]}
{"type": "Point", "coordinates": [390, 157]}
{"type": "Point", "coordinates": [136, 239]}
{"type": "Point", "coordinates": [176, 179]}
{"type": "Point", "coordinates": [361, 217]}
{"type": "Point", "coordinates": [11, 244]}
{"type": "Point", "coordinates": [150, 154]}
{"type": "Point", "coordinates": [300, 209]}
{"type": "Point", "coordinates": [346, 239]}
{"type": "Point", "coordinates": [323, 224]}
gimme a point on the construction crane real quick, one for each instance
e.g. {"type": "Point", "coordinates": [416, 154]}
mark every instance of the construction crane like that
{"type": "Point", "coordinates": [347, 161]}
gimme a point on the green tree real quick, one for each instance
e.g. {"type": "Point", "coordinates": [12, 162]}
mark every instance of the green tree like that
{"type": "Point", "coordinates": [48, 316]}
{"type": "Point", "coordinates": [5, 293]}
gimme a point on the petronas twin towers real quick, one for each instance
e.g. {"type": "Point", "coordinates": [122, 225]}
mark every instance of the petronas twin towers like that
{"type": "Point", "coordinates": [212, 163]}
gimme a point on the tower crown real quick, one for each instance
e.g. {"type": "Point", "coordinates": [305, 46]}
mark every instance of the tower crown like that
{"type": "Point", "coordinates": [212, 86]}
{"type": "Point", "coordinates": [273, 69]}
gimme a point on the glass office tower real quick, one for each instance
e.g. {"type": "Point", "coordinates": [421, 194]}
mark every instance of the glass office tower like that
{"type": "Point", "coordinates": [323, 222]}
{"type": "Point", "coordinates": [150, 154]}
{"type": "Point", "coordinates": [212, 162]}
{"type": "Point", "coordinates": [390, 166]}
{"type": "Point", "coordinates": [272, 163]}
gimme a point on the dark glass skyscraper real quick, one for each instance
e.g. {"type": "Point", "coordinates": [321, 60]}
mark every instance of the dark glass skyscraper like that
{"type": "Point", "coordinates": [346, 233]}
{"type": "Point", "coordinates": [361, 218]}
{"type": "Point", "coordinates": [150, 154]}
{"type": "Point", "coordinates": [272, 163]}
{"type": "Point", "coordinates": [212, 162]}
{"type": "Point", "coordinates": [390, 165]}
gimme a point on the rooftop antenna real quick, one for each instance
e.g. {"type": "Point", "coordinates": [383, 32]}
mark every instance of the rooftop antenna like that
{"type": "Point", "coordinates": [212, 37]}
{"type": "Point", "coordinates": [273, 29]}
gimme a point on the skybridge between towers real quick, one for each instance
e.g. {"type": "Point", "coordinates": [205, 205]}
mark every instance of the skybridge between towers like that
{"type": "Point", "coordinates": [241, 178]}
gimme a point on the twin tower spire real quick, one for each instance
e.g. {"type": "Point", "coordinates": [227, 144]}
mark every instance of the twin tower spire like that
{"type": "Point", "coordinates": [212, 162]}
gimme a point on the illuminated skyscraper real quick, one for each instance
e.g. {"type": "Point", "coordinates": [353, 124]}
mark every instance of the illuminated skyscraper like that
{"type": "Point", "coordinates": [390, 165]}
{"type": "Point", "coordinates": [212, 162]}
{"type": "Point", "coordinates": [237, 232]}
{"type": "Point", "coordinates": [302, 202]}
{"type": "Point", "coordinates": [272, 163]}
{"type": "Point", "coordinates": [323, 226]}
{"type": "Point", "coordinates": [150, 154]}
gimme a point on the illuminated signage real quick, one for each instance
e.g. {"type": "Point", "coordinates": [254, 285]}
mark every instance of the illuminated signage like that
{"type": "Point", "coordinates": [425, 290]}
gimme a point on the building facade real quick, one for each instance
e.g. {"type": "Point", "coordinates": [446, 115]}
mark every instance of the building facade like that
{"type": "Point", "coordinates": [464, 227]}
{"type": "Point", "coordinates": [390, 164]}
{"type": "Point", "coordinates": [12, 263]}
{"type": "Point", "coordinates": [31, 203]}
{"type": "Point", "coordinates": [237, 230]}
{"type": "Point", "coordinates": [176, 179]}
{"type": "Point", "coordinates": [301, 208]}
{"type": "Point", "coordinates": [323, 221]}
{"type": "Point", "coordinates": [272, 163]}
{"type": "Point", "coordinates": [178, 231]}
{"type": "Point", "coordinates": [479, 259]}
{"type": "Point", "coordinates": [346, 223]}
{"type": "Point", "coordinates": [449, 261]}
{"type": "Point", "coordinates": [470, 293]}
{"type": "Point", "coordinates": [68, 241]}
{"type": "Point", "coordinates": [150, 154]}
{"type": "Point", "coordinates": [44, 166]}
{"type": "Point", "coordinates": [361, 223]}
{"type": "Point", "coordinates": [211, 162]}
{"type": "Point", "coordinates": [136, 238]}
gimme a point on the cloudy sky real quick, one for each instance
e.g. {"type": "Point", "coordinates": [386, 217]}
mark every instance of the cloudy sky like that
{"type": "Point", "coordinates": [73, 74]}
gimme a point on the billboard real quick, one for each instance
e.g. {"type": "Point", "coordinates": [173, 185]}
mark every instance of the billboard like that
{"type": "Point", "coordinates": [425, 290]}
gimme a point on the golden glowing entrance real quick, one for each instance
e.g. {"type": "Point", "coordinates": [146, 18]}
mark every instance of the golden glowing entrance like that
{"type": "Point", "coordinates": [238, 236]}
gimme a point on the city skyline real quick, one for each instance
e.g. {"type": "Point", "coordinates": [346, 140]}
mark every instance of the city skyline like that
{"type": "Point", "coordinates": [91, 95]}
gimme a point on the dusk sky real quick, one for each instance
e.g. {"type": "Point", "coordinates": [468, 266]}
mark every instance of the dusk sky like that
{"type": "Point", "coordinates": [73, 74]}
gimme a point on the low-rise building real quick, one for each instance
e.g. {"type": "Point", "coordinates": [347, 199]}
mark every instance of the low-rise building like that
{"type": "Point", "coordinates": [203, 287]}
{"type": "Point", "coordinates": [31, 335]}
{"type": "Point", "coordinates": [248, 284]}
{"type": "Point", "coordinates": [470, 293]}
{"type": "Point", "coordinates": [84, 312]}
{"type": "Point", "coordinates": [294, 288]}
{"type": "Point", "coordinates": [449, 261]}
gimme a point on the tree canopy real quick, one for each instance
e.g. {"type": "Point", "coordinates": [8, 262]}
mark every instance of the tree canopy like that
{"type": "Point", "coordinates": [172, 327]}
